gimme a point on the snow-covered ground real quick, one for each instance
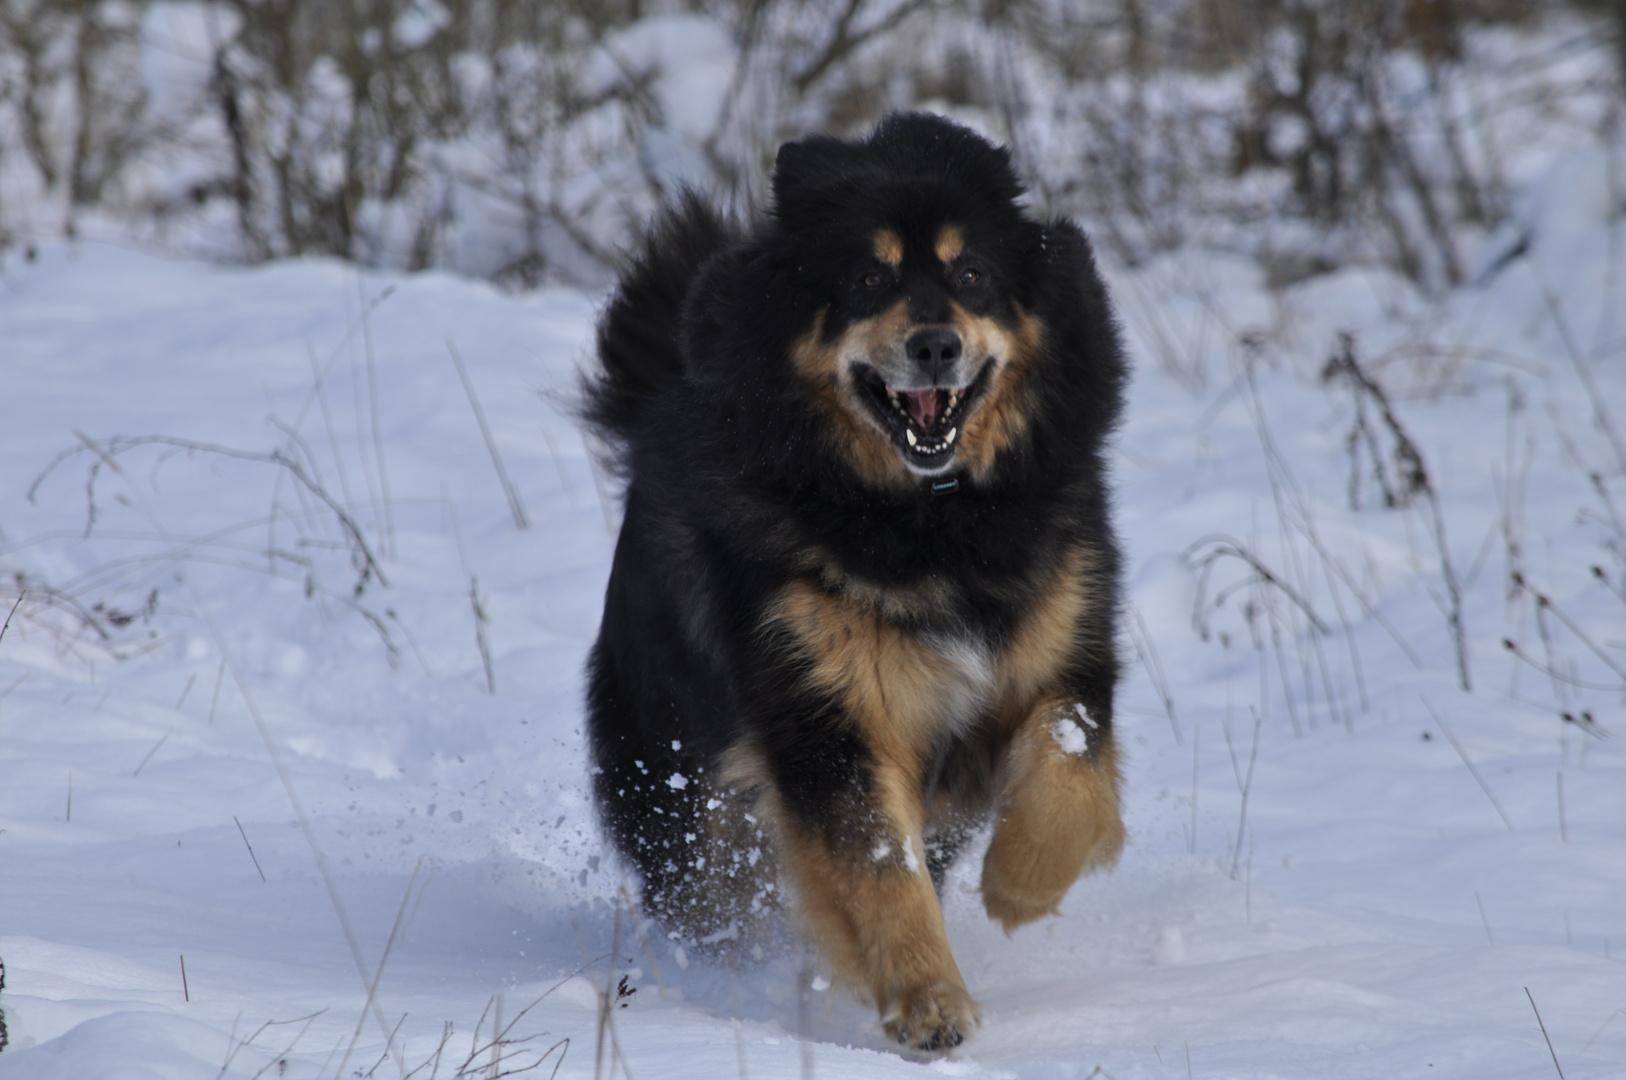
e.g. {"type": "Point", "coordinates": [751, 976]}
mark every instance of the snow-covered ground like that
{"type": "Point", "coordinates": [303, 777]}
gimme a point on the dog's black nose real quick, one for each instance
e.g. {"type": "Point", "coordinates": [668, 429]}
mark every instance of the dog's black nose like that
{"type": "Point", "coordinates": [935, 349]}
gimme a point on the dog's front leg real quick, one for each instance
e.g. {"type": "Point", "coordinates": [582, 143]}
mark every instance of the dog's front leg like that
{"type": "Point", "coordinates": [845, 749]}
{"type": "Point", "coordinates": [859, 868]}
{"type": "Point", "coordinates": [1058, 812]}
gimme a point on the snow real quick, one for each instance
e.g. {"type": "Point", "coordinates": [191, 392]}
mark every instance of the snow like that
{"type": "Point", "coordinates": [1327, 891]}
{"type": "Point", "coordinates": [1069, 736]}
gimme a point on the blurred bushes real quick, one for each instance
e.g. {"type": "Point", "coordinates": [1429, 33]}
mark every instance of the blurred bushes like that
{"type": "Point", "coordinates": [525, 141]}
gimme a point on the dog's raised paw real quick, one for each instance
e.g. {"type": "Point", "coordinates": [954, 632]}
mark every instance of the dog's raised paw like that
{"type": "Point", "coordinates": [1012, 910]}
{"type": "Point", "coordinates": [933, 1018]}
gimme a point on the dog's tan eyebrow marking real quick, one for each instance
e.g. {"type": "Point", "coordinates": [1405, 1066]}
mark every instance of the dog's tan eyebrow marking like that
{"type": "Point", "coordinates": [949, 244]}
{"type": "Point", "coordinates": [889, 248]}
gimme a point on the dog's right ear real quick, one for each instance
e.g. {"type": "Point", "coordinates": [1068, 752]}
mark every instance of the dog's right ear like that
{"type": "Point", "coordinates": [804, 171]}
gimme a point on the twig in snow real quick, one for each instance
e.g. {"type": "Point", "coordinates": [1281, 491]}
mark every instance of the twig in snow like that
{"type": "Point", "coordinates": [1196, 741]}
{"type": "Point", "coordinates": [411, 641]}
{"type": "Point", "coordinates": [558, 465]}
{"type": "Point", "coordinates": [1599, 573]}
{"type": "Point", "coordinates": [496, 1026]}
{"type": "Point", "coordinates": [1483, 918]}
{"type": "Point", "coordinates": [366, 565]}
{"type": "Point", "coordinates": [378, 974]}
{"type": "Point", "coordinates": [1556, 676]}
{"type": "Point", "coordinates": [600, 487]}
{"type": "Point", "coordinates": [260, 725]}
{"type": "Point", "coordinates": [1247, 886]}
{"type": "Point", "coordinates": [804, 1004]}
{"type": "Point", "coordinates": [1463, 754]}
{"type": "Point", "coordinates": [24, 676]}
{"type": "Point", "coordinates": [1611, 515]}
{"type": "Point", "coordinates": [432, 1062]}
{"type": "Point", "coordinates": [1563, 823]}
{"type": "Point", "coordinates": [734, 1021]}
{"type": "Point", "coordinates": [1595, 1034]}
{"type": "Point", "coordinates": [643, 940]}
{"type": "Point", "coordinates": [387, 1044]}
{"type": "Point", "coordinates": [1281, 664]}
{"type": "Point", "coordinates": [480, 641]}
{"type": "Point", "coordinates": [327, 422]}
{"type": "Point", "coordinates": [9, 614]}
{"type": "Point", "coordinates": [186, 990]}
{"type": "Point", "coordinates": [1411, 478]}
{"type": "Point", "coordinates": [151, 752]}
{"type": "Point", "coordinates": [1246, 785]}
{"type": "Point", "coordinates": [214, 700]}
{"type": "Point", "coordinates": [277, 1058]}
{"type": "Point", "coordinates": [606, 1013]}
{"type": "Point", "coordinates": [1600, 412]}
{"type": "Point", "coordinates": [1222, 546]}
{"type": "Point", "coordinates": [1545, 603]}
{"type": "Point", "coordinates": [248, 845]}
{"type": "Point", "coordinates": [515, 507]}
{"type": "Point", "coordinates": [503, 1047]}
{"type": "Point", "coordinates": [372, 407]}
{"type": "Point", "coordinates": [187, 689]}
{"type": "Point", "coordinates": [1544, 1035]}
{"type": "Point", "coordinates": [1147, 651]}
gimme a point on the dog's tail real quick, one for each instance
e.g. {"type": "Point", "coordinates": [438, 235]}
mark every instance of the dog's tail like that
{"type": "Point", "coordinates": [638, 337]}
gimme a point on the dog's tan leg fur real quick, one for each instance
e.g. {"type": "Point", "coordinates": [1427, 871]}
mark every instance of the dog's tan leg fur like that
{"type": "Point", "coordinates": [866, 894]}
{"type": "Point", "coordinates": [878, 923]}
{"type": "Point", "coordinates": [1058, 816]}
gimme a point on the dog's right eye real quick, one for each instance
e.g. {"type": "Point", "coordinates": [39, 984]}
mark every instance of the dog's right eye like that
{"type": "Point", "coordinates": [873, 279]}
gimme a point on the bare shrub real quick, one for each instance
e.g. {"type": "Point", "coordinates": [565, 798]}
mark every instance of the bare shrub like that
{"type": "Point", "coordinates": [526, 141]}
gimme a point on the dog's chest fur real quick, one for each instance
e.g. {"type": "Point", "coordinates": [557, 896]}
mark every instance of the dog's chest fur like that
{"type": "Point", "coordinates": [908, 687]}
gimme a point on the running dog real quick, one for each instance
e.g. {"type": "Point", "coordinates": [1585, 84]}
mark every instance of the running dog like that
{"type": "Point", "coordinates": [865, 593]}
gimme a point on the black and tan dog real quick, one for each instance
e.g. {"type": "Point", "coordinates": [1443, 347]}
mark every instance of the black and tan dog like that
{"type": "Point", "coordinates": [865, 592]}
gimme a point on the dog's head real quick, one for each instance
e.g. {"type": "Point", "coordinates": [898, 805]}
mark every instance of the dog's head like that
{"type": "Point", "coordinates": [921, 265]}
{"type": "Point", "coordinates": [900, 308]}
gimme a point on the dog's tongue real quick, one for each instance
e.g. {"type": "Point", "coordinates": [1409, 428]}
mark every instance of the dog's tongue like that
{"type": "Point", "coordinates": [922, 406]}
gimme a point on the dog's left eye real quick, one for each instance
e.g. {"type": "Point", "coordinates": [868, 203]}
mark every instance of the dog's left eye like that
{"type": "Point", "coordinates": [874, 279]}
{"type": "Point", "coordinates": [968, 277]}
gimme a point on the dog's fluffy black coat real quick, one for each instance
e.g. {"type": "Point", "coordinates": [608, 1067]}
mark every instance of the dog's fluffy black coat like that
{"type": "Point", "coordinates": [863, 573]}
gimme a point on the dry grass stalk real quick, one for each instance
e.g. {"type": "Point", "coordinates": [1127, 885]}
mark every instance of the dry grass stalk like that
{"type": "Point", "coordinates": [1544, 1034]}
{"type": "Point", "coordinates": [480, 622]}
{"type": "Point", "coordinates": [248, 845]}
{"type": "Point", "coordinates": [1463, 754]}
{"type": "Point", "coordinates": [17, 604]}
{"type": "Point", "coordinates": [1146, 649]}
{"type": "Point", "coordinates": [1244, 785]}
{"type": "Point", "coordinates": [1401, 476]}
{"type": "Point", "coordinates": [515, 507]}
{"type": "Point", "coordinates": [378, 975]}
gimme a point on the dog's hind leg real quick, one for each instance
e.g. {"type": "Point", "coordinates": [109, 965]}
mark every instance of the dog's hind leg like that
{"type": "Point", "coordinates": [1057, 815]}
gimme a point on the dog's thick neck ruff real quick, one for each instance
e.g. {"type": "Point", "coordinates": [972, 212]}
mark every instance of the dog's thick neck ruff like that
{"type": "Point", "coordinates": [866, 582]}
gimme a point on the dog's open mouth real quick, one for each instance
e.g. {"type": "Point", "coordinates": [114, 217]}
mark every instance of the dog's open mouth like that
{"type": "Point", "coordinates": [924, 424]}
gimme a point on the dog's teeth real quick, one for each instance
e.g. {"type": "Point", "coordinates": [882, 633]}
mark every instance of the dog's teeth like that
{"type": "Point", "coordinates": [909, 432]}
{"type": "Point", "coordinates": [953, 431]}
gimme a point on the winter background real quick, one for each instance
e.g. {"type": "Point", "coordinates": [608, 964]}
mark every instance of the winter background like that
{"type": "Point", "coordinates": [302, 548]}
